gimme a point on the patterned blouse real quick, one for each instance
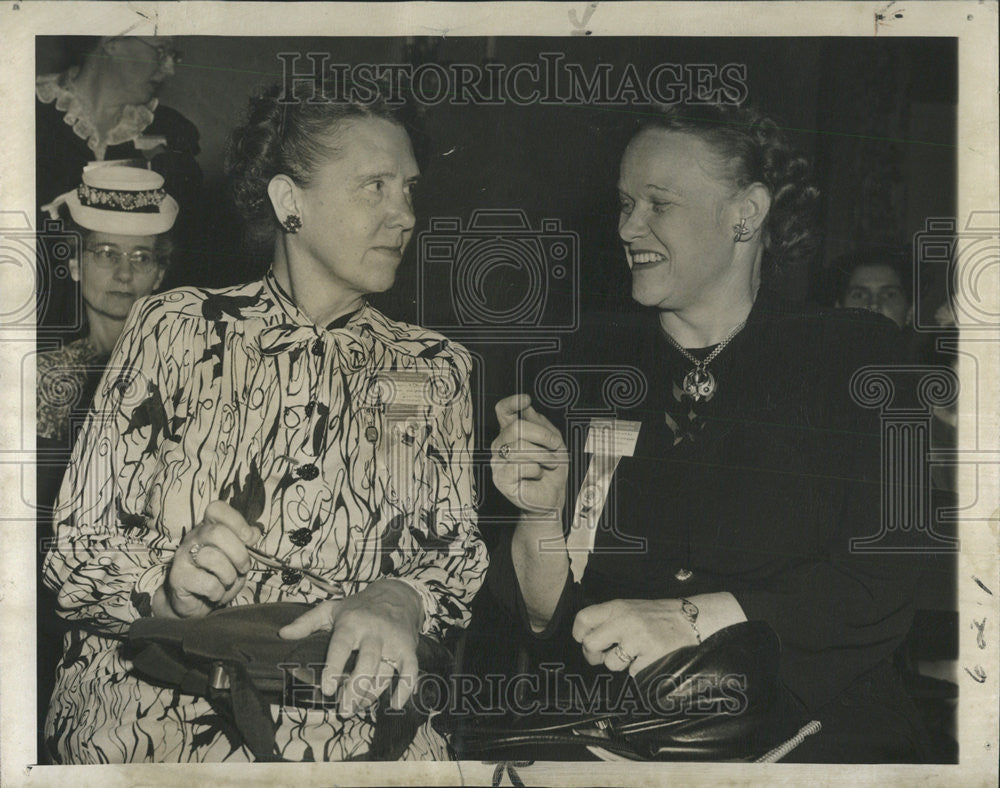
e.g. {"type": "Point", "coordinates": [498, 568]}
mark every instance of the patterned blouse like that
{"type": "Point", "coordinates": [350, 445]}
{"type": "Point", "coordinates": [63, 376]}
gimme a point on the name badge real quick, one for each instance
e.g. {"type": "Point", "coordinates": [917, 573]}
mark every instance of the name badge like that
{"type": "Point", "coordinates": [612, 437]}
{"type": "Point", "coordinates": [608, 440]}
{"type": "Point", "coordinates": [403, 389]}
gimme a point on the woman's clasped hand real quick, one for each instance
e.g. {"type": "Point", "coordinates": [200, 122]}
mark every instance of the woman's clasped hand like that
{"type": "Point", "coordinates": [210, 566]}
{"type": "Point", "coordinates": [380, 623]}
{"type": "Point", "coordinates": [529, 461]}
{"type": "Point", "coordinates": [631, 633]}
{"type": "Point", "coordinates": [634, 633]}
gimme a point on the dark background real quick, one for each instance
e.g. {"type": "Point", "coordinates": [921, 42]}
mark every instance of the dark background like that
{"type": "Point", "coordinates": [877, 116]}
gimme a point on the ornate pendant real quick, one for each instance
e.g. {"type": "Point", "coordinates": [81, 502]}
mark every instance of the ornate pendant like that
{"type": "Point", "coordinates": [699, 384]}
{"type": "Point", "coordinates": [683, 574]}
{"type": "Point", "coordinates": [371, 433]}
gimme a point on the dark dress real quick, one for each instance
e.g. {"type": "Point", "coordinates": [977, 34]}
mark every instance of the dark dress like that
{"type": "Point", "coordinates": [757, 492]}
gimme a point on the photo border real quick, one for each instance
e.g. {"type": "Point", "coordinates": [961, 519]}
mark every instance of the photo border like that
{"type": "Point", "coordinates": [975, 26]}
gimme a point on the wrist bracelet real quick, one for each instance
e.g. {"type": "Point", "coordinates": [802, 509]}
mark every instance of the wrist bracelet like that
{"type": "Point", "coordinates": [690, 611]}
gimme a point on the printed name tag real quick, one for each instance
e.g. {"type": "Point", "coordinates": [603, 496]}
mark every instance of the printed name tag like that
{"type": "Point", "coordinates": [612, 437]}
{"type": "Point", "coordinates": [407, 389]}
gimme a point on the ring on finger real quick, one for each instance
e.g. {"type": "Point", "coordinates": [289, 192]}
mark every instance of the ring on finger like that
{"type": "Point", "coordinates": [193, 551]}
{"type": "Point", "coordinates": [622, 654]}
{"type": "Point", "coordinates": [504, 451]}
{"type": "Point", "coordinates": [391, 663]}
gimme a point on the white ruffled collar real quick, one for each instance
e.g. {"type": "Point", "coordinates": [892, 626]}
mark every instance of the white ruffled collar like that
{"type": "Point", "coordinates": [59, 88]}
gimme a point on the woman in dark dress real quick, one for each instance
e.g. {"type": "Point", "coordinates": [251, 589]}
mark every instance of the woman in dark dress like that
{"type": "Point", "coordinates": [754, 467]}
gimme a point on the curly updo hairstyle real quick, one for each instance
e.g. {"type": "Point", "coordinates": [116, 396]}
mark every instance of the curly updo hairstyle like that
{"type": "Point", "coordinates": [293, 136]}
{"type": "Point", "coordinates": [752, 148]}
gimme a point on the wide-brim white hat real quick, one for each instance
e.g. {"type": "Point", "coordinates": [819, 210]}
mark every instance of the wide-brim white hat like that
{"type": "Point", "coordinates": [119, 199]}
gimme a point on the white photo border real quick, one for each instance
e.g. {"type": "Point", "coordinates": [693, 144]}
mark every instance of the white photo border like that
{"type": "Point", "coordinates": [975, 27]}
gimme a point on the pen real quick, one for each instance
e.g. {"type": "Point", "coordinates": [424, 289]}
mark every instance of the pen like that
{"type": "Point", "coordinates": [277, 563]}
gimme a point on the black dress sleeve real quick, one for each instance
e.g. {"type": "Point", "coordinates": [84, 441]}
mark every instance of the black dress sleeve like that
{"type": "Point", "coordinates": [501, 579]}
{"type": "Point", "coordinates": [177, 163]}
{"type": "Point", "coordinates": [555, 641]}
{"type": "Point", "coordinates": [842, 612]}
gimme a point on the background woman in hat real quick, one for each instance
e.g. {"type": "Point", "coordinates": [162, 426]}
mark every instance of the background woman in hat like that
{"type": "Point", "coordinates": [121, 217]}
{"type": "Point", "coordinates": [284, 415]}
{"type": "Point", "coordinates": [104, 107]}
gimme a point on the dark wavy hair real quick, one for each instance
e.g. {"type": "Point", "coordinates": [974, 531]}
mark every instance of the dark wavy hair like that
{"type": "Point", "coordinates": [752, 148]}
{"type": "Point", "coordinates": [294, 137]}
{"type": "Point", "coordinates": [895, 258]}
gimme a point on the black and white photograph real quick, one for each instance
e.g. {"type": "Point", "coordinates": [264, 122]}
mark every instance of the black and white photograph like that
{"type": "Point", "coordinates": [502, 393]}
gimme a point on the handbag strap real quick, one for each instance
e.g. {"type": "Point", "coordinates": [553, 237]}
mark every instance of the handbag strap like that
{"type": "Point", "coordinates": [241, 701]}
{"type": "Point", "coordinates": [250, 713]}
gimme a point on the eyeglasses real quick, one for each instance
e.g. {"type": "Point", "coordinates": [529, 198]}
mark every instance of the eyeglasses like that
{"type": "Point", "coordinates": [107, 256]}
{"type": "Point", "coordinates": [164, 52]}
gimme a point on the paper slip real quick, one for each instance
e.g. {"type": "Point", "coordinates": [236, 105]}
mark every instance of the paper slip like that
{"type": "Point", "coordinates": [589, 505]}
{"type": "Point", "coordinates": [404, 389]}
{"type": "Point", "coordinates": [612, 437]}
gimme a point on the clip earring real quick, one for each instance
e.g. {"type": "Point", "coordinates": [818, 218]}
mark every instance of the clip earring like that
{"type": "Point", "coordinates": [741, 232]}
{"type": "Point", "coordinates": [292, 223]}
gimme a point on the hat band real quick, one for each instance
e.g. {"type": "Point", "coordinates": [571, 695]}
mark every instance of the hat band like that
{"type": "Point", "coordinates": [145, 201]}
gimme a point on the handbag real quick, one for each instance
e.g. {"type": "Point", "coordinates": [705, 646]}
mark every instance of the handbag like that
{"type": "Point", "coordinates": [721, 700]}
{"type": "Point", "coordinates": [234, 659]}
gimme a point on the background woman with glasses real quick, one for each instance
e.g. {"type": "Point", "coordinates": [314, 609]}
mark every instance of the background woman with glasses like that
{"type": "Point", "coordinates": [119, 218]}
{"type": "Point", "coordinates": [104, 107]}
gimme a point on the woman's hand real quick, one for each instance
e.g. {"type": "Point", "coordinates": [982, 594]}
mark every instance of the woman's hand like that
{"type": "Point", "coordinates": [210, 565]}
{"type": "Point", "coordinates": [647, 629]}
{"type": "Point", "coordinates": [529, 462]}
{"type": "Point", "coordinates": [382, 623]}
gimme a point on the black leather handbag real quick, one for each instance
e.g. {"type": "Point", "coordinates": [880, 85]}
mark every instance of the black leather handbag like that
{"type": "Point", "coordinates": [722, 700]}
{"type": "Point", "coordinates": [234, 658]}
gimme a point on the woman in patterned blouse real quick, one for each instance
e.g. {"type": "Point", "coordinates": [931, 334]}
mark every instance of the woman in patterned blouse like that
{"type": "Point", "coordinates": [287, 415]}
{"type": "Point", "coordinates": [122, 255]}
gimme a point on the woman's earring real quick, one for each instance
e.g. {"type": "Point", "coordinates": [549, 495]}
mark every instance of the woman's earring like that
{"type": "Point", "coordinates": [292, 223]}
{"type": "Point", "coordinates": [741, 232]}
